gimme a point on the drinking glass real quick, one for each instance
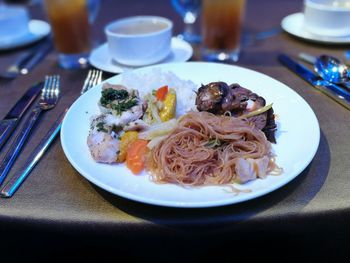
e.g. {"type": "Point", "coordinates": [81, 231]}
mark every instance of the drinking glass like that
{"type": "Point", "coordinates": [221, 29]}
{"type": "Point", "coordinates": [189, 11]}
{"type": "Point", "coordinates": [71, 26]}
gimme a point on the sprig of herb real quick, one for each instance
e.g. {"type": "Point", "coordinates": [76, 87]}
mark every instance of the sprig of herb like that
{"type": "Point", "coordinates": [110, 95]}
{"type": "Point", "coordinates": [100, 127]}
{"type": "Point", "coordinates": [124, 105]}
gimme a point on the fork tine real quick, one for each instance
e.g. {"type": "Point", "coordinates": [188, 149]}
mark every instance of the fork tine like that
{"type": "Point", "coordinates": [56, 85]}
{"type": "Point", "coordinates": [98, 78]}
{"type": "Point", "coordinates": [93, 78]}
{"type": "Point", "coordinates": [51, 89]}
{"type": "Point", "coordinates": [46, 84]}
{"type": "Point", "coordinates": [86, 82]}
{"type": "Point", "coordinates": [51, 86]}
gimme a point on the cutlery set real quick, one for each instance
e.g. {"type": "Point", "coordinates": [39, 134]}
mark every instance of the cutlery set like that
{"type": "Point", "coordinates": [326, 76]}
{"type": "Point", "coordinates": [9, 123]}
{"type": "Point", "coordinates": [49, 97]}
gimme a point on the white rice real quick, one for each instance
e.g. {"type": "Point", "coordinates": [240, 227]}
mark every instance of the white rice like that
{"type": "Point", "coordinates": [156, 78]}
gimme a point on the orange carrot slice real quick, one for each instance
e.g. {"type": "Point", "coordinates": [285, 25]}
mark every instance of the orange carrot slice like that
{"type": "Point", "coordinates": [136, 154]}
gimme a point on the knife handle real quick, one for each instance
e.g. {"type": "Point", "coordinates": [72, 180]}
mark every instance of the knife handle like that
{"type": "Point", "coordinates": [35, 59]}
{"type": "Point", "coordinates": [18, 143]}
{"type": "Point", "coordinates": [15, 182]}
{"type": "Point", "coordinates": [21, 60]}
{"type": "Point", "coordinates": [6, 127]}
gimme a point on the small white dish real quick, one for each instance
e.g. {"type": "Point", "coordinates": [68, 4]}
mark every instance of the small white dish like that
{"type": "Point", "coordinates": [329, 17]}
{"type": "Point", "coordinates": [294, 25]}
{"type": "Point", "coordinates": [100, 58]}
{"type": "Point", "coordinates": [37, 30]}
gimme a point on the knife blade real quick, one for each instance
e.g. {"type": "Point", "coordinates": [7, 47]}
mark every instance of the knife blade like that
{"type": "Point", "coordinates": [14, 183]}
{"type": "Point", "coordinates": [333, 91]}
{"type": "Point", "coordinates": [10, 121]}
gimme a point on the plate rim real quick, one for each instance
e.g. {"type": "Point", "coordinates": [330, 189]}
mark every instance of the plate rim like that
{"type": "Point", "coordinates": [192, 204]}
{"type": "Point", "coordinates": [31, 36]}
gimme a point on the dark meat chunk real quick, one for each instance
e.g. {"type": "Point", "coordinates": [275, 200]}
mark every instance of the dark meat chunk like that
{"type": "Point", "coordinates": [219, 98]}
{"type": "Point", "coordinates": [270, 127]}
{"type": "Point", "coordinates": [236, 99]}
{"type": "Point", "coordinates": [209, 97]}
{"type": "Point", "coordinates": [260, 101]}
{"type": "Point", "coordinates": [259, 121]}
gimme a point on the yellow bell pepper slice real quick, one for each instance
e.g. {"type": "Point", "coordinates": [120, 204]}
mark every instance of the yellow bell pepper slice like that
{"type": "Point", "coordinates": [168, 111]}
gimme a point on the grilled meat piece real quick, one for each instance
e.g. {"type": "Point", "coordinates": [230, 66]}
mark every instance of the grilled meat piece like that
{"type": "Point", "coordinates": [210, 96]}
{"type": "Point", "coordinates": [270, 127]}
{"type": "Point", "coordinates": [220, 98]}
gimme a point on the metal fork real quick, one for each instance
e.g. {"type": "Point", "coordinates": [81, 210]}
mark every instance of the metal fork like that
{"type": "Point", "coordinates": [49, 97]}
{"type": "Point", "coordinates": [93, 78]}
{"type": "Point", "coordinates": [15, 182]}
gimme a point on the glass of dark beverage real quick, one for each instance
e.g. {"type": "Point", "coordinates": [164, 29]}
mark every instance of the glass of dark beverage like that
{"type": "Point", "coordinates": [221, 29]}
{"type": "Point", "coordinates": [189, 11]}
{"type": "Point", "coordinates": [70, 22]}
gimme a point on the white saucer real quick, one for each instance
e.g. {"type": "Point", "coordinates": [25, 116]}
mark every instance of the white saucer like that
{"type": "Point", "coordinates": [181, 51]}
{"type": "Point", "coordinates": [293, 24]}
{"type": "Point", "coordinates": [37, 30]}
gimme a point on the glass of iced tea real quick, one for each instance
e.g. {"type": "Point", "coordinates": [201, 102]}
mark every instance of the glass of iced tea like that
{"type": "Point", "coordinates": [71, 28]}
{"type": "Point", "coordinates": [221, 29]}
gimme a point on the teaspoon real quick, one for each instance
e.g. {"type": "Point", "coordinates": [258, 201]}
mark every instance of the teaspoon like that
{"type": "Point", "coordinates": [332, 69]}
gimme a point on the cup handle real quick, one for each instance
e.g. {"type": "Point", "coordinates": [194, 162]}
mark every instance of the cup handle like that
{"type": "Point", "coordinates": [93, 8]}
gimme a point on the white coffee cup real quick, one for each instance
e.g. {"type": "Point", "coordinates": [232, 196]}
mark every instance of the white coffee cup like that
{"type": "Point", "coordinates": [327, 17]}
{"type": "Point", "coordinates": [139, 40]}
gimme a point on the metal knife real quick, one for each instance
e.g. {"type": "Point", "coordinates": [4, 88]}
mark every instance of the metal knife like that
{"type": "Point", "coordinates": [333, 91]}
{"type": "Point", "coordinates": [14, 183]}
{"type": "Point", "coordinates": [10, 121]}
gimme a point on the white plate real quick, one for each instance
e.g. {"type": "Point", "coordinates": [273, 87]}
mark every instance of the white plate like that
{"type": "Point", "coordinates": [293, 24]}
{"type": "Point", "coordinates": [181, 51]}
{"type": "Point", "coordinates": [297, 140]}
{"type": "Point", "coordinates": [37, 30]}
